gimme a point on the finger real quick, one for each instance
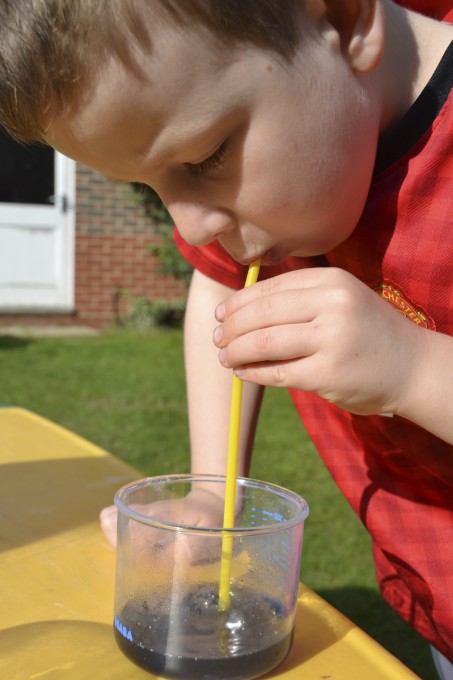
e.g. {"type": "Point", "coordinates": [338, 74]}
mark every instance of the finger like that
{"type": "Point", "coordinates": [276, 374]}
{"type": "Point", "coordinates": [282, 308]}
{"type": "Point", "coordinates": [275, 343]}
{"type": "Point", "coordinates": [108, 519]}
{"type": "Point", "coordinates": [303, 373]}
{"type": "Point", "coordinates": [295, 280]}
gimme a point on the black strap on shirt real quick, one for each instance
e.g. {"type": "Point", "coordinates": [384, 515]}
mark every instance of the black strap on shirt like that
{"type": "Point", "coordinates": [420, 116]}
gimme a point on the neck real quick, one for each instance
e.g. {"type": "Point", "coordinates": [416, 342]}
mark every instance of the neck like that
{"type": "Point", "coordinates": [414, 47]}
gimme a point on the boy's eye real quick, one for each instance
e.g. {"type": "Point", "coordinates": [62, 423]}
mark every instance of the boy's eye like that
{"type": "Point", "coordinates": [212, 164]}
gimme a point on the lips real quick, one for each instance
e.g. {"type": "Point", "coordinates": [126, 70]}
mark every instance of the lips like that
{"type": "Point", "coordinates": [271, 256]}
{"type": "Point", "coordinates": [274, 256]}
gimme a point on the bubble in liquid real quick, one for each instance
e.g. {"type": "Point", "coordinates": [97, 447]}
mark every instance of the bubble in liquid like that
{"type": "Point", "coordinates": [201, 610]}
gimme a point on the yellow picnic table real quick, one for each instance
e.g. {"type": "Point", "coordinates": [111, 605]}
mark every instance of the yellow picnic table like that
{"type": "Point", "coordinates": [57, 571]}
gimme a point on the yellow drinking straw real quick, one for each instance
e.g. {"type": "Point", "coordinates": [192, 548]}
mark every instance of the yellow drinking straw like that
{"type": "Point", "coordinates": [231, 474]}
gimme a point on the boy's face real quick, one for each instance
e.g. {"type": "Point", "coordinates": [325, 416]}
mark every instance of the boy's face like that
{"type": "Point", "coordinates": [271, 159]}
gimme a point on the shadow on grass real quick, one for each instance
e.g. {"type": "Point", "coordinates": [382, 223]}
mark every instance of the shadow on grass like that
{"type": "Point", "coordinates": [13, 342]}
{"type": "Point", "coordinates": [371, 613]}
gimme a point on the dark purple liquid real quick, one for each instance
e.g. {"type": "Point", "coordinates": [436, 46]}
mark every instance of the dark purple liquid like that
{"type": "Point", "coordinates": [200, 643]}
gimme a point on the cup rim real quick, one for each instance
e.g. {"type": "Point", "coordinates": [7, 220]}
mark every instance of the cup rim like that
{"type": "Point", "coordinates": [278, 525]}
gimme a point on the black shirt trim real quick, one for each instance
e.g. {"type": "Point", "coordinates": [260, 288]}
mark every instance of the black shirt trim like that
{"type": "Point", "coordinates": [420, 116]}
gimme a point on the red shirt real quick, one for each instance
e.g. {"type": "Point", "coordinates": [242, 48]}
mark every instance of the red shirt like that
{"type": "Point", "coordinates": [439, 9]}
{"type": "Point", "coordinates": [396, 476]}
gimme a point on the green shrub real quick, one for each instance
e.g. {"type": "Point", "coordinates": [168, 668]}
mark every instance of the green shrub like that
{"type": "Point", "coordinates": [142, 314]}
{"type": "Point", "coordinates": [171, 260]}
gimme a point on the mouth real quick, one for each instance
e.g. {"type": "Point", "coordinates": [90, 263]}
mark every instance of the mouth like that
{"type": "Point", "coordinates": [274, 256]}
{"type": "Point", "coordinates": [270, 257]}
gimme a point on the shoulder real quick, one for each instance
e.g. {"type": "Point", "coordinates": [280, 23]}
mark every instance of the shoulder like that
{"type": "Point", "coordinates": [438, 9]}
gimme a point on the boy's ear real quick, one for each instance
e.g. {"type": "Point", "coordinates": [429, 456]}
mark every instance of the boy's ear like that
{"type": "Point", "coordinates": [359, 26]}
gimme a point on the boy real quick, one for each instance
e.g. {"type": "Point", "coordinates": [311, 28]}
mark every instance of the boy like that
{"type": "Point", "coordinates": [316, 135]}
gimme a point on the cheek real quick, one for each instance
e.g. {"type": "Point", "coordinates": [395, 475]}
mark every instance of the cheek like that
{"type": "Point", "coordinates": [316, 180]}
{"type": "Point", "coordinates": [328, 181]}
{"type": "Point", "coordinates": [273, 180]}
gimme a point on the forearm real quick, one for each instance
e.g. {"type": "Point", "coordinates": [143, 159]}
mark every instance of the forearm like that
{"type": "Point", "coordinates": [428, 400]}
{"type": "Point", "coordinates": [209, 386]}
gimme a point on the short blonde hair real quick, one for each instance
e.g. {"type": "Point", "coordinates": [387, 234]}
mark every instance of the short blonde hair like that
{"type": "Point", "coordinates": [51, 49]}
{"type": "Point", "coordinates": [48, 50]}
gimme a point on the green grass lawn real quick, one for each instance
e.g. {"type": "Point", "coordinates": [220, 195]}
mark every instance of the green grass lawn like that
{"type": "Point", "coordinates": [126, 393]}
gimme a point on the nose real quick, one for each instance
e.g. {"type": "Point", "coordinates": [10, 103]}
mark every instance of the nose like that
{"type": "Point", "coordinates": [199, 224]}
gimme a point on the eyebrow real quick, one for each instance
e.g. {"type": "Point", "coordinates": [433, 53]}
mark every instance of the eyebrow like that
{"type": "Point", "coordinates": [191, 137]}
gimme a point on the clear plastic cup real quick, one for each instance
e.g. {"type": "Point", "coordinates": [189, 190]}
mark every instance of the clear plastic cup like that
{"type": "Point", "coordinates": [169, 560]}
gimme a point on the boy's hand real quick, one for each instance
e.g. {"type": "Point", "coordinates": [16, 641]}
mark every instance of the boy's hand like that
{"type": "Point", "coordinates": [200, 508]}
{"type": "Point", "coordinates": [324, 331]}
{"type": "Point", "coordinates": [108, 519]}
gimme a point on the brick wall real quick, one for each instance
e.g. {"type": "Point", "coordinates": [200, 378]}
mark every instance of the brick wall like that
{"type": "Point", "coordinates": [109, 265]}
{"type": "Point", "coordinates": [113, 232]}
{"type": "Point", "coordinates": [105, 207]}
{"type": "Point", "coordinates": [111, 255]}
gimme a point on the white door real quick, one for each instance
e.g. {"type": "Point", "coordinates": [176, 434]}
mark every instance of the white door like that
{"type": "Point", "coordinates": [37, 225]}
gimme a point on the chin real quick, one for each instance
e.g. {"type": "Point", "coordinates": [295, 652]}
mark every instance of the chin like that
{"type": "Point", "coordinates": [312, 252]}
